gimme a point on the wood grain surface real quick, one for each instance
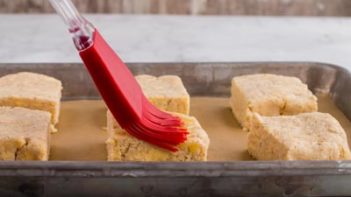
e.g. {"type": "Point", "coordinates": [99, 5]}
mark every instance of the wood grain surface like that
{"type": "Point", "coordinates": [193, 7]}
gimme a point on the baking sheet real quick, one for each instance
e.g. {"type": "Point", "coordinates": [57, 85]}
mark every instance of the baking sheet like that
{"type": "Point", "coordinates": [81, 134]}
{"type": "Point", "coordinates": [258, 178]}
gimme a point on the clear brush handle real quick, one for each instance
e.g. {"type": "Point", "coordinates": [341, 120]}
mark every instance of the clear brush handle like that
{"type": "Point", "coordinates": [80, 29]}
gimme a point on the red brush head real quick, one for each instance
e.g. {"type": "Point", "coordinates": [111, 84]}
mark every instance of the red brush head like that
{"type": "Point", "coordinates": [126, 101]}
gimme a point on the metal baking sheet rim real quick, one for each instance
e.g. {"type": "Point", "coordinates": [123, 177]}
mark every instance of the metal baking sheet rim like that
{"type": "Point", "coordinates": [172, 169]}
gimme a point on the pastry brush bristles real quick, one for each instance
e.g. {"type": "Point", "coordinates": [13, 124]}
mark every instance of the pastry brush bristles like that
{"type": "Point", "coordinates": [159, 128]}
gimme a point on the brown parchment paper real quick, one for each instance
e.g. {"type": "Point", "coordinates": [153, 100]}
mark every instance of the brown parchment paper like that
{"type": "Point", "coordinates": [81, 134]}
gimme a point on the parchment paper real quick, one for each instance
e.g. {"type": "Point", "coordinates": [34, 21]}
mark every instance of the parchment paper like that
{"type": "Point", "coordinates": [81, 134]}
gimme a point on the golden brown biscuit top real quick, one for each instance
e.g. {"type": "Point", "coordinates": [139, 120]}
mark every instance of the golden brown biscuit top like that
{"type": "Point", "coordinates": [22, 122]}
{"type": "Point", "coordinates": [306, 128]}
{"type": "Point", "coordinates": [30, 85]}
{"type": "Point", "coordinates": [268, 86]}
{"type": "Point", "coordinates": [164, 86]}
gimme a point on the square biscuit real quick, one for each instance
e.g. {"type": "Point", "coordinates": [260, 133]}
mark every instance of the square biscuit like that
{"type": "Point", "coordinates": [165, 92]}
{"type": "Point", "coordinates": [124, 147]}
{"type": "Point", "coordinates": [307, 136]}
{"type": "Point", "coordinates": [24, 134]}
{"type": "Point", "coordinates": [33, 91]}
{"type": "Point", "coordinates": [269, 95]}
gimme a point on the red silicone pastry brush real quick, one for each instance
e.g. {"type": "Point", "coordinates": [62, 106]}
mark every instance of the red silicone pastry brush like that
{"type": "Point", "coordinates": [118, 87]}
